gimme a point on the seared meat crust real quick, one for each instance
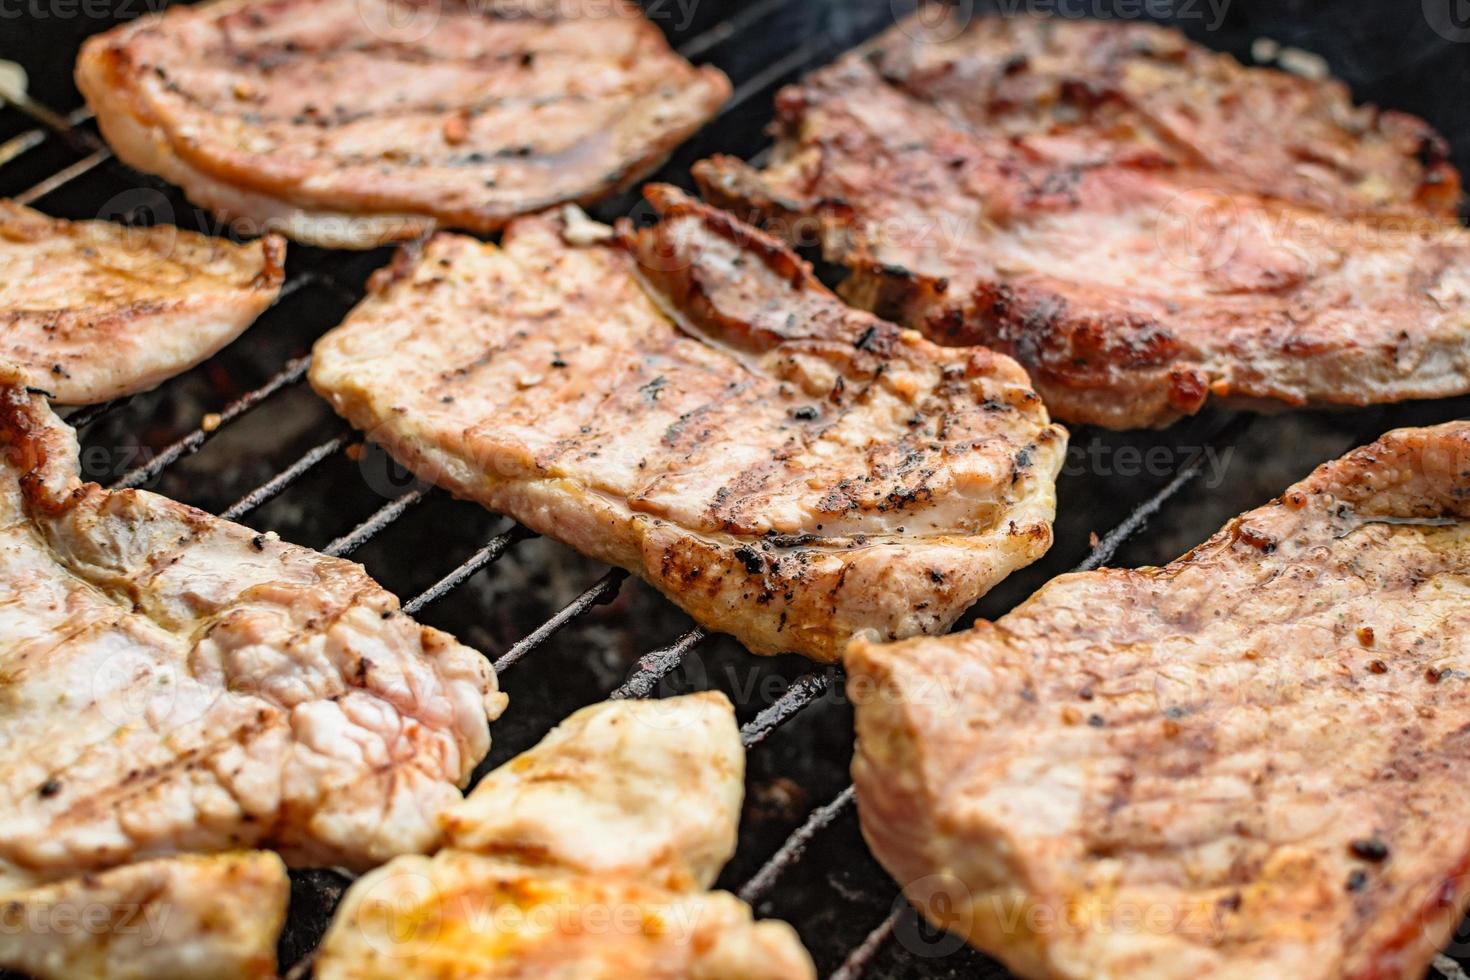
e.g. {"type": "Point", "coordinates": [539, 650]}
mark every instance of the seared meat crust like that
{"type": "Point", "coordinates": [1131, 279]}
{"type": "Point", "coordinates": [171, 682]}
{"type": "Point", "coordinates": [1240, 764]}
{"type": "Point", "coordinates": [532, 881]}
{"type": "Point", "coordinates": [350, 123]}
{"type": "Point", "coordinates": [1086, 91]}
{"type": "Point", "coordinates": [180, 918]}
{"type": "Point", "coordinates": [689, 402]}
{"type": "Point", "coordinates": [93, 310]}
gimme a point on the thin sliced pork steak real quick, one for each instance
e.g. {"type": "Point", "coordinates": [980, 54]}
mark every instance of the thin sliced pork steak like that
{"type": "Point", "coordinates": [688, 402]}
{"type": "Point", "coordinates": [1247, 763]}
{"type": "Point", "coordinates": [349, 123]}
{"type": "Point", "coordinates": [1132, 279]}
{"type": "Point", "coordinates": [171, 682]}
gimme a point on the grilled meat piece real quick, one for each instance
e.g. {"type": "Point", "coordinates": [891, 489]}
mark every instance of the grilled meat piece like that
{"type": "Point", "coordinates": [688, 402]}
{"type": "Point", "coordinates": [1242, 764]}
{"type": "Point", "coordinates": [665, 807]}
{"type": "Point", "coordinates": [1131, 284]}
{"type": "Point", "coordinates": [349, 123]}
{"type": "Point", "coordinates": [94, 310]}
{"type": "Point", "coordinates": [180, 918]}
{"type": "Point", "coordinates": [177, 683]}
{"type": "Point", "coordinates": [545, 891]}
{"type": "Point", "coordinates": [1087, 91]}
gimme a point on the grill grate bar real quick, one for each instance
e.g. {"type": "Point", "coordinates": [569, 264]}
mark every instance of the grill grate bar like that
{"type": "Point", "coordinates": [487, 555]}
{"type": "Point", "coordinates": [84, 417]}
{"type": "Point", "coordinates": [604, 590]}
{"type": "Point", "coordinates": [33, 138]}
{"type": "Point", "coordinates": [857, 961]}
{"type": "Point", "coordinates": [291, 374]}
{"type": "Point", "coordinates": [1138, 519]}
{"type": "Point", "coordinates": [802, 692]}
{"type": "Point", "coordinates": [64, 176]}
{"type": "Point", "coordinates": [272, 488]}
{"type": "Point", "coordinates": [655, 666]}
{"type": "Point", "coordinates": [727, 29]}
{"type": "Point", "coordinates": [374, 525]}
{"type": "Point", "coordinates": [791, 852]}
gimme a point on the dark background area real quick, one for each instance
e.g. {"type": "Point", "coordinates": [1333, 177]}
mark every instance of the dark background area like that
{"type": "Point", "coordinates": [1399, 53]}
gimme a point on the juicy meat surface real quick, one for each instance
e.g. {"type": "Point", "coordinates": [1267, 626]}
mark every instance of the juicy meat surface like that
{"type": "Point", "coordinates": [194, 917]}
{"type": "Point", "coordinates": [1088, 91]}
{"type": "Point", "coordinates": [94, 310]}
{"type": "Point", "coordinates": [689, 402]}
{"type": "Point", "coordinates": [660, 780]}
{"type": "Point", "coordinates": [532, 883]}
{"type": "Point", "coordinates": [1132, 279]}
{"type": "Point", "coordinates": [171, 682]}
{"type": "Point", "coordinates": [1245, 763]}
{"type": "Point", "coordinates": [349, 123]}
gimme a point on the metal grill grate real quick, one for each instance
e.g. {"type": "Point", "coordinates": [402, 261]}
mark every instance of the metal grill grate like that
{"type": "Point", "coordinates": [841, 893]}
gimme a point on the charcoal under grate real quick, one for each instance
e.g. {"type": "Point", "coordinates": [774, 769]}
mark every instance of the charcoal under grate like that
{"type": "Point", "coordinates": [242, 436]}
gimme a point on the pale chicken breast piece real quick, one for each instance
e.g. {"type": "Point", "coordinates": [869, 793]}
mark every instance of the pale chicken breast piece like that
{"type": "Point", "coordinates": [660, 780]}
{"type": "Point", "coordinates": [585, 858]}
{"type": "Point", "coordinates": [464, 916]}
{"type": "Point", "coordinates": [349, 123]}
{"type": "Point", "coordinates": [173, 682]}
{"type": "Point", "coordinates": [94, 310]}
{"type": "Point", "coordinates": [1144, 224]}
{"type": "Point", "coordinates": [194, 917]}
{"type": "Point", "coordinates": [690, 403]}
{"type": "Point", "coordinates": [1247, 763]}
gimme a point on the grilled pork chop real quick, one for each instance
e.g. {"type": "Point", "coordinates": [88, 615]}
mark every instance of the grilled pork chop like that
{"type": "Point", "coordinates": [1135, 268]}
{"type": "Point", "coordinates": [543, 889]}
{"type": "Point", "coordinates": [180, 918]}
{"type": "Point", "coordinates": [349, 123]}
{"type": "Point", "coordinates": [94, 310]}
{"type": "Point", "coordinates": [171, 682]}
{"type": "Point", "coordinates": [690, 403]}
{"type": "Point", "coordinates": [1246, 763]}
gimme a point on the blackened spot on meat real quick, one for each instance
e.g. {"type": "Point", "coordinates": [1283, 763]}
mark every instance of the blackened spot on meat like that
{"type": "Point", "coordinates": [258, 542]}
{"type": "Point", "coordinates": [1357, 880]}
{"type": "Point", "coordinates": [1096, 721]}
{"type": "Point", "coordinates": [864, 342]}
{"type": "Point", "coordinates": [557, 361]}
{"type": "Point", "coordinates": [49, 788]}
{"type": "Point", "coordinates": [652, 390]}
{"type": "Point", "coordinates": [805, 413]}
{"type": "Point", "coordinates": [1085, 694]}
{"type": "Point", "coordinates": [752, 560]}
{"type": "Point", "coordinates": [1370, 849]}
{"type": "Point", "coordinates": [936, 576]}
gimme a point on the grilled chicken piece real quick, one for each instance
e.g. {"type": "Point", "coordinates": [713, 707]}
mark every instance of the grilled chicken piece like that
{"type": "Point", "coordinates": [542, 888]}
{"type": "Point", "coordinates": [175, 683]}
{"type": "Point", "coordinates": [665, 810]}
{"type": "Point", "coordinates": [94, 310]}
{"type": "Point", "coordinates": [349, 123]}
{"type": "Point", "coordinates": [1246, 763]}
{"type": "Point", "coordinates": [180, 918]}
{"type": "Point", "coordinates": [1132, 284]}
{"type": "Point", "coordinates": [689, 402]}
